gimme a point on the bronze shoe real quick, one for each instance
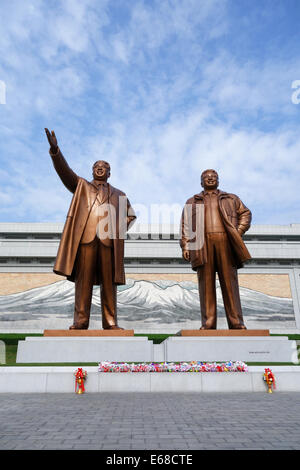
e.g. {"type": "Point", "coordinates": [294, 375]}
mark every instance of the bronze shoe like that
{"type": "Point", "coordinates": [78, 327]}
{"type": "Point", "coordinates": [113, 327]}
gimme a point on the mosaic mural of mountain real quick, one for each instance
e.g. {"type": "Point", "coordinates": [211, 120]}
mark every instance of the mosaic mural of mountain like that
{"type": "Point", "coordinates": [141, 304]}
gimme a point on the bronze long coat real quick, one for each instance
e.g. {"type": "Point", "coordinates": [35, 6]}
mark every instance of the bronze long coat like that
{"type": "Point", "coordinates": [235, 215]}
{"type": "Point", "coordinates": [84, 197]}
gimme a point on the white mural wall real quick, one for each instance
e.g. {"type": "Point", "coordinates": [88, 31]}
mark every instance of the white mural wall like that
{"type": "Point", "coordinates": [143, 305]}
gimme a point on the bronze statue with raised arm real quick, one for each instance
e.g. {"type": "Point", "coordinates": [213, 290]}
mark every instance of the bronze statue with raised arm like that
{"type": "Point", "coordinates": [91, 250]}
{"type": "Point", "coordinates": [212, 225]}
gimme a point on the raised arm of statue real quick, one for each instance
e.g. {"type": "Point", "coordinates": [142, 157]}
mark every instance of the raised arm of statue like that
{"type": "Point", "coordinates": [66, 174]}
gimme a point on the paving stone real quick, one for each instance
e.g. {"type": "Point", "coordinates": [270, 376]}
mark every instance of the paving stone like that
{"type": "Point", "coordinates": [163, 421]}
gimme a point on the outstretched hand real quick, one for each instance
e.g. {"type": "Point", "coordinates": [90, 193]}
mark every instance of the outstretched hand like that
{"type": "Point", "coordinates": [52, 140]}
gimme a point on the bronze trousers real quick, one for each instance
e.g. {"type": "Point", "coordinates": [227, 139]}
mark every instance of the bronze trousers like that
{"type": "Point", "coordinates": [219, 260]}
{"type": "Point", "coordinates": [94, 257]}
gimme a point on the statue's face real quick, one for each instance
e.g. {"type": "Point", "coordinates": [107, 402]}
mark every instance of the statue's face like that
{"type": "Point", "coordinates": [210, 179]}
{"type": "Point", "coordinates": [101, 171]}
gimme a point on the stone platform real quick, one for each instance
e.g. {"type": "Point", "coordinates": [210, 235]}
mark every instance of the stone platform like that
{"type": "Point", "coordinates": [61, 380]}
{"type": "Point", "coordinates": [53, 349]}
{"type": "Point", "coordinates": [86, 346]}
{"type": "Point", "coordinates": [246, 348]}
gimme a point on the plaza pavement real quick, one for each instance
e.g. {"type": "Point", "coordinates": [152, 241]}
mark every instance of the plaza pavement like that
{"type": "Point", "coordinates": [155, 421]}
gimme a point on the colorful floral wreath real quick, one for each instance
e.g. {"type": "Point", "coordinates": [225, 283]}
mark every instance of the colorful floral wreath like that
{"type": "Point", "coordinates": [194, 366]}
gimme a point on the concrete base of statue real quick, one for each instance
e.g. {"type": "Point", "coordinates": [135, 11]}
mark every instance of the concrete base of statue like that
{"type": "Point", "coordinates": [230, 345]}
{"type": "Point", "coordinates": [188, 345]}
{"type": "Point", "coordinates": [96, 346]}
{"type": "Point", "coordinates": [82, 346]}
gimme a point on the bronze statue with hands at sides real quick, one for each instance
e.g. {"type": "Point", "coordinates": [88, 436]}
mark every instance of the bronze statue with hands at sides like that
{"type": "Point", "coordinates": [212, 225]}
{"type": "Point", "coordinates": [91, 250]}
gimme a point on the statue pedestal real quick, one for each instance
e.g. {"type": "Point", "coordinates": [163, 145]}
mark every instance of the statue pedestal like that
{"type": "Point", "coordinates": [83, 346]}
{"type": "Point", "coordinates": [94, 346]}
{"type": "Point", "coordinates": [230, 345]}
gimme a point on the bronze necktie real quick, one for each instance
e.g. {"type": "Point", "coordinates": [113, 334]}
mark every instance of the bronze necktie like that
{"type": "Point", "coordinates": [101, 192]}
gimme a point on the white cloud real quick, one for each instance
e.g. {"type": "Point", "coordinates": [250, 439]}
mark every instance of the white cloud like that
{"type": "Point", "coordinates": [251, 86]}
{"type": "Point", "coordinates": [157, 92]}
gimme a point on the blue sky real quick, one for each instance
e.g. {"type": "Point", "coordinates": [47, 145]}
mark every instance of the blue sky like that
{"type": "Point", "coordinates": [162, 90]}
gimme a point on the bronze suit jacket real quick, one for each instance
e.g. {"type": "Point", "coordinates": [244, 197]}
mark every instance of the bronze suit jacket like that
{"type": "Point", "coordinates": [235, 215]}
{"type": "Point", "coordinates": [84, 197]}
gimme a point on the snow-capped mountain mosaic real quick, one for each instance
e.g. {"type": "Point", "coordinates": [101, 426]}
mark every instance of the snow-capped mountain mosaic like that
{"type": "Point", "coordinates": [144, 306]}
